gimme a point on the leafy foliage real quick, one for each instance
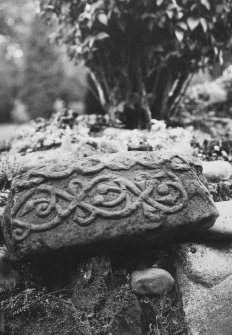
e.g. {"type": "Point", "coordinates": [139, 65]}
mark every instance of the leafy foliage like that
{"type": "Point", "coordinates": [211, 97]}
{"type": "Point", "coordinates": [143, 52]}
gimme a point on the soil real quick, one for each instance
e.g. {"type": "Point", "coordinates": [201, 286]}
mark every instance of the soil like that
{"type": "Point", "coordinates": [91, 297]}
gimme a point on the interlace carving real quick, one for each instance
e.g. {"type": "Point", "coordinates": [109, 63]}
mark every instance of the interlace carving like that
{"type": "Point", "coordinates": [95, 165]}
{"type": "Point", "coordinates": [157, 193]}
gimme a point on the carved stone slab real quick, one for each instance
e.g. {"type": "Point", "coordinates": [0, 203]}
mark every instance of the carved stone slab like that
{"type": "Point", "coordinates": [113, 200]}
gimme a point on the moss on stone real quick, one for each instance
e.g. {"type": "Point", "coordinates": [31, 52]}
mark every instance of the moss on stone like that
{"type": "Point", "coordinates": [92, 297]}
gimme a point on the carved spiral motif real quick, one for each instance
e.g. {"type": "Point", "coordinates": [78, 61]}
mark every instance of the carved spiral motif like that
{"type": "Point", "coordinates": [110, 196]}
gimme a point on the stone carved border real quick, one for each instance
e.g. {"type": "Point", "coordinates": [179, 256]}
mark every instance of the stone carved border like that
{"type": "Point", "coordinates": [170, 196]}
{"type": "Point", "coordinates": [95, 165]}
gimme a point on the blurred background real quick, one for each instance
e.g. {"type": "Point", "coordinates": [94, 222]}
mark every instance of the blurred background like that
{"type": "Point", "coordinates": [35, 75]}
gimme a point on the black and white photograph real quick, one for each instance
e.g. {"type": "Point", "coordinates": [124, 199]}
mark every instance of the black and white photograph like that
{"type": "Point", "coordinates": [115, 167]}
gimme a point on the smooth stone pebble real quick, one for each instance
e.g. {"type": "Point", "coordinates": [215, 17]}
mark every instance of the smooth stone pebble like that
{"type": "Point", "coordinates": [151, 282]}
{"type": "Point", "coordinates": [217, 170]}
{"type": "Point", "coordinates": [223, 225]}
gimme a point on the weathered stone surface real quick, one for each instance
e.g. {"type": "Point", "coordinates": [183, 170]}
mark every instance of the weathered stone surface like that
{"type": "Point", "coordinates": [222, 228]}
{"type": "Point", "coordinates": [113, 200]}
{"type": "Point", "coordinates": [151, 282]}
{"type": "Point", "coordinates": [204, 276]}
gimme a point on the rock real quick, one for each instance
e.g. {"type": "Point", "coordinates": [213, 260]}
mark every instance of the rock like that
{"type": "Point", "coordinates": [151, 282]}
{"type": "Point", "coordinates": [222, 228]}
{"type": "Point", "coordinates": [204, 276]}
{"type": "Point", "coordinates": [217, 170]}
{"type": "Point", "coordinates": [109, 201]}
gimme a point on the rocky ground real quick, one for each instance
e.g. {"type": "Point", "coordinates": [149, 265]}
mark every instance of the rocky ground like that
{"type": "Point", "coordinates": [94, 296]}
{"type": "Point", "coordinates": [65, 136]}
{"type": "Point", "coordinates": [105, 303]}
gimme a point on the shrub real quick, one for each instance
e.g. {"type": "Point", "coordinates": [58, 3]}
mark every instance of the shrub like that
{"type": "Point", "coordinates": [143, 51]}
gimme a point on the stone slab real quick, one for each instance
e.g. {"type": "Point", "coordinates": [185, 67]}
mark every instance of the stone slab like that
{"type": "Point", "coordinates": [222, 228]}
{"type": "Point", "coordinates": [115, 200]}
{"type": "Point", "coordinates": [204, 276]}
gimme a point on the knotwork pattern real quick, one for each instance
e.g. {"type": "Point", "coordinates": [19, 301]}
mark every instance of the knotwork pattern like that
{"type": "Point", "coordinates": [90, 166]}
{"type": "Point", "coordinates": [156, 193]}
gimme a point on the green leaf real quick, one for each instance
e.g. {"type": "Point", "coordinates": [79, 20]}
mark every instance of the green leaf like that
{"type": "Point", "coordinates": [170, 14]}
{"type": "Point", "coordinates": [91, 41]}
{"type": "Point", "coordinates": [103, 19]}
{"type": "Point", "coordinates": [180, 14]}
{"type": "Point", "coordinates": [159, 2]}
{"type": "Point", "coordinates": [179, 35]}
{"type": "Point", "coordinates": [193, 22]}
{"type": "Point", "coordinates": [193, 7]}
{"type": "Point", "coordinates": [204, 24]}
{"type": "Point", "coordinates": [206, 4]}
{"type": "Point", "coordinates": [221, 60]}
{"type": "Point", "coordinates": [101, 36]}
{"type": "Point", "coordinates": [182, 25]}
